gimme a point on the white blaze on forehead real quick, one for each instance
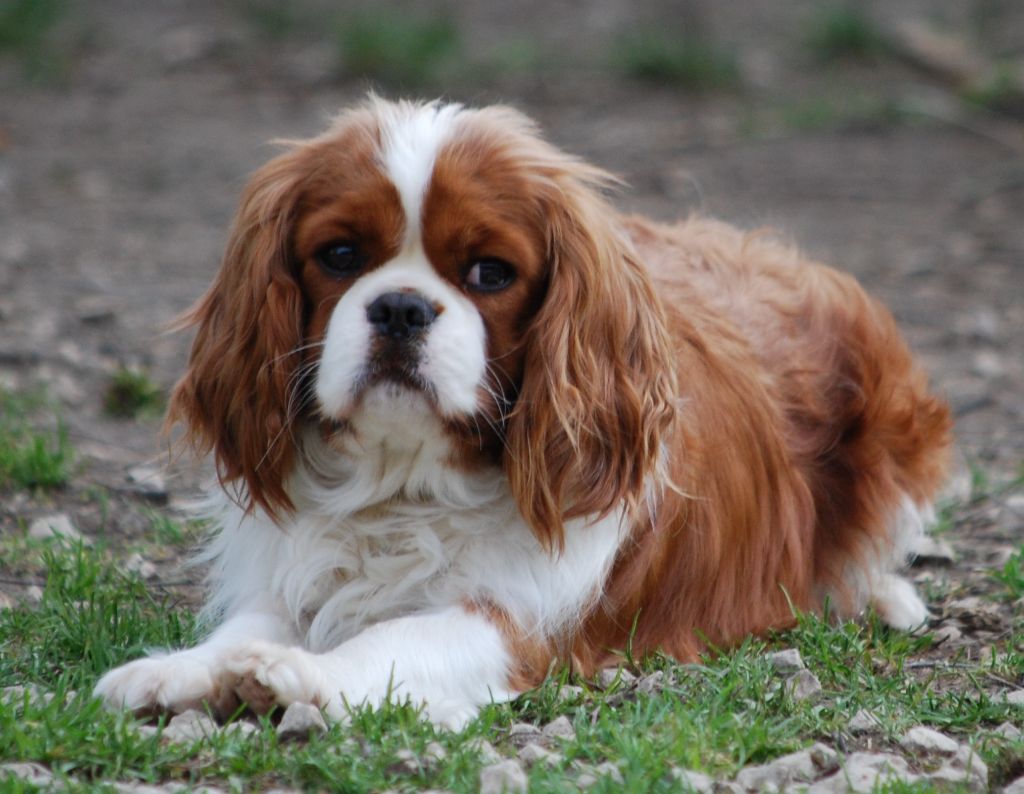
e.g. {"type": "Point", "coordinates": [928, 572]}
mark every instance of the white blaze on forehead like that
{"type": "Point", "coordinates": [411, 137]}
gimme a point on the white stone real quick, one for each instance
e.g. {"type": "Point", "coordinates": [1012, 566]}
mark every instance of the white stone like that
{"type": "Point", "coordinates": [148, 482]}
{"type": "Point", "coordinates": [948, 633]}
{"type": "Point", "coordinates": [926, 548]}
{"type": "Point", "coordinates": [920, 739]}
{"type": "Point", "coordinates": [136, 563]}
{"type": "Point", "coordinates": [570, 693]}
{"type": "Point", "coordinates": [522, 733]}
{"type": "Point", "coordinates": [36, 774]}
{"type": "Point", "coordinates": [611, 676]}
{"type": "Point", "coordinates": [189, 726]}
{"type": "Point", "coordinates": [862, 772]}
{"type": "Point", "coordinates": [299, 721]}
{"type": "Point", "coordinates": [58, 525]}
{"type": "Point", "coordinates": [560, 728]}
{"type": "Point", "coordinates": [651, 684]}
{"type": "Point", "coordinates": [1016, 787]}
{"type": "Point", "coordinates": [786, 661]}
{"type": "Point", "coordinates": [804, 766]}
{"type": "Point", "coordinates": [863, 722]}
{"type": "Point", "coordinates": [485, 750]}
{"type": "Point", "coordinates": [696, 782]}
{"type": "Point", "coordinates": [1008, 731]}
{"type": "Point", "coordinates": [591, 775]}
{"type": "Point", "coordinates": [803, 685]}
{"type": "Point", "coordinates": [505, 777]}
{"type": "Point", "coordinates": [532, 753]}
{"type": "Point", "coordinates": [965, 770]}
{"type": "Point", "coordinates": [1015, 698]}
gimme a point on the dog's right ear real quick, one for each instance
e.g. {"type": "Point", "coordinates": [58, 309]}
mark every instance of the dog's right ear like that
{"type": "Point", "coordinates": [235, 397]}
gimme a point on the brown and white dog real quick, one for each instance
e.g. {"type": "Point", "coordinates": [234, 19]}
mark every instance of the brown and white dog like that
{"type": "Point", "coordinates": [471, 422]}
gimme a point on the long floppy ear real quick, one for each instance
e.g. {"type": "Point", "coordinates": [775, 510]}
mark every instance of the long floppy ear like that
{"type": "Point", "coordinates": [598, 389]}
{"type": "Point", "coordinates": [234, 399]}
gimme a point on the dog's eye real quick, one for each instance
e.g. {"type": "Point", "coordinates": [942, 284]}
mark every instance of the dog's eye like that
{"type": "Point", "coordinates": [490, 275]}
{"type": "Point", "coordinates": [340, 258]}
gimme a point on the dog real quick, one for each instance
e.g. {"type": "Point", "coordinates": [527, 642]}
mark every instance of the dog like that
{"type": "Point", "coordinates": [471, 423]}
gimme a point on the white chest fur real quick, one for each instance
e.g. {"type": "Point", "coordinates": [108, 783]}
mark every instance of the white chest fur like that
{"type": "Point", "coordinates": [353, 556]}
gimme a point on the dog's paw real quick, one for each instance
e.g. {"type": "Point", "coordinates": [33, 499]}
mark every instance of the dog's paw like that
{"type": "Point", "coordinates": [264, 674]}
{"type": "Point", "coordinates": [174, 682]}
{"type": "Point", "coordinates": [897, 603]}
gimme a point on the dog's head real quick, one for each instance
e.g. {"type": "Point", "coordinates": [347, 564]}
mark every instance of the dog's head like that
{"type": "Point", "coordinates": [424, 270]}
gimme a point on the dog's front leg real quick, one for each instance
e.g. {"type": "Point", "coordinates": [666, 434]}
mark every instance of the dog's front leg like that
{"type": "Point", "coordinates": [194, 677]}
{"type": "Point", "coordinates": [451, 662]}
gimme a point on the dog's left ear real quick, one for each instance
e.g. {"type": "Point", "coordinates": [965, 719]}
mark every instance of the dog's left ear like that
{"type": "Point", "coordinates": [599, 387]}
{"type": "Point", "coordinates": [237, 394]}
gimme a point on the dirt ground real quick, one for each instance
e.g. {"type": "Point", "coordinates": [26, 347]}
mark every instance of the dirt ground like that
{"type": "Point", "coordinates": [119, 175]}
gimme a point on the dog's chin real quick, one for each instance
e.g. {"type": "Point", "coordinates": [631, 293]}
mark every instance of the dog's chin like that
{"type": "Point", "coordinates": [399, 409]}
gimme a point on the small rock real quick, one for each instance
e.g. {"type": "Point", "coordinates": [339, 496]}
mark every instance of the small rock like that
{"type": "Point", "coordinates": [240, 728]}
{"type": "Point", "coordinates": [560, 728]}
{"type": "Point", "coordinates": [1016, 787]}
{"type": "Point", "coordinates": [33, 594]}
{"type": "Point", "coordinates": [36, 774]}
{"type": "Point", "coordinates": [786, 661]}
{"type": "Point", "coordinates": [55, 526]}
{"type": "Point", "coordinates": [924, 740]}
{"type": "Point", "coordinates": [801, 767]}
{"type": "Point", "coordinates": [407, 763]}
{"type": "Point", "coordinates": [651, 684]}
{"type": "Point", "coordinates": [485, 750]}
{"type": "Point", "coordinates": [948, 633]}
{"type": "Point", "coordinates": [567, 693]}
{"type": "Point", "coordinates": [189, 726]}
{"type": "Point", "coordinates": [147, 731]}
{"type": "Point", "coordinates": [95, 310]}
{"type": "Point", "coordinates": [1008, 731]}
{"type": "Point", "coordinates": [988, 364]}
{"type": "Point", "coordinates": [522, 733]}
{"type": "Point", "coordinates": [591, 775]}
{"type": "Point", "coordinates": [865, 772]}
{"type": "Point", "coordinates": [6, 602]}
{"type": "Point", "coordinates": [434, 752]}
{"type": "Point", "coordinates": [532, 753]}
{"type": "Point", "coordinates": [299, 721]}
{"type": "Point", "coordinates": [148, 482]}
{"type": "Point", "coordinates": [697, 782]}
{"type": "Point", "coordinates": [933, 551]}
{"type": "Point", "coordinates": [802, 686]}
{"type": "Point", "coordinates": [1015, 698]}
{"type": "Point", "coordinates": [975, 614]}
{"type": "Point", "coordinates": [863, 722]}
{"type": "Point", "coordinates": [966, 770]}
{"type": "Point", "coordinates": [136, 563]}
{"type": "Point", "coordinates": [505, 777]}
{"type": "Point", "coordinates": [612, 676]}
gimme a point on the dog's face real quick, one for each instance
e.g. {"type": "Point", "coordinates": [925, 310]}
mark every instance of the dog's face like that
{"type": "Point", "coordinates": [424, 270]}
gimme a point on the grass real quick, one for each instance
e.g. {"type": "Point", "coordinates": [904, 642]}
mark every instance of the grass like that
{"type": "Point", "coordinates": [32, 458]}
{"type": "Point", "coordinates": [843, 32]}
{"type": "Point", "coordinates": [718, 716]}
{"type": "Point", "coordinates": [27, 30]}
{"type": "Point", "coordinates": [401, 50]}
{"type": "Point", "coordinates": [131, 394]}
{"type": "Point", "coordinates": [1011, 575]}
{"type": "Point", "coordinates": [667, 58]}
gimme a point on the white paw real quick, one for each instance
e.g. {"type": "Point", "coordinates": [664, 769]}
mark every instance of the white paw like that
{"type": "Point", "coordinates": [265, 674]}
{"type": "Point", "coordinates": [173, 682]}
{"type": "Point", "coordinates": [897, 603]}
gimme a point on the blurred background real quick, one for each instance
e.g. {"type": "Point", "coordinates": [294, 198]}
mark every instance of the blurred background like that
{"type": "Point", "coordinates": [886, 137]}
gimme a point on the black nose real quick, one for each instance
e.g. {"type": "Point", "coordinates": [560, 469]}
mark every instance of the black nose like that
{"type": "Point", "coordinates": [400, 314]}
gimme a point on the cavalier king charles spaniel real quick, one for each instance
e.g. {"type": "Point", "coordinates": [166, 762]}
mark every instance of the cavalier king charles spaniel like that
{"type": "Point", "coordinates": [471, 423]}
